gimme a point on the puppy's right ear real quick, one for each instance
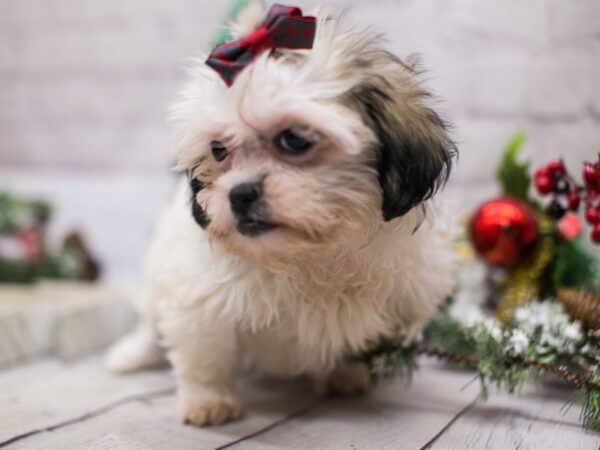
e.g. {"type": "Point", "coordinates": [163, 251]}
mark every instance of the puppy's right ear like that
{"type": "Point", "coordinates": [249, 19]}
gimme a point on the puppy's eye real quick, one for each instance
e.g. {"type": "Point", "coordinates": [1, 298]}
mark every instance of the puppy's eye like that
{"type": "Point", "coordinates": [292, 144]}
{"type": "Point", "coordinates": [219, 151]}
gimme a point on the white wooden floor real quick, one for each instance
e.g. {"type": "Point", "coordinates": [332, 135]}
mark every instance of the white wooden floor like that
{"type": "Point", "coordinates": [52, 405]}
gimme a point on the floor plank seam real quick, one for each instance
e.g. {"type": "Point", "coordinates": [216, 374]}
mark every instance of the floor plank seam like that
{"type": "Point", "coordinates": [299, 412]}
{"type": "Point", "coordinates": [90, 415]}
{"type": "Point", "coordinates": [429, 444]}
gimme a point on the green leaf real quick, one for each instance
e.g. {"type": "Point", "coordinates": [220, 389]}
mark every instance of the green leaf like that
{"type": "Point", "coordinates": [513, 175]}
{"type": "Point", "coordinates": [574, 266]}
{"type": "Point", "coordinates": [445, 332]}
{"type": "Point", "coordinates": [590, 412]}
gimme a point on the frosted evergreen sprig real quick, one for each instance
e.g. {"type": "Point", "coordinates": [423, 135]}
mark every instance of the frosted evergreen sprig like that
{"type": "Point", "coordinates": [541, 338]}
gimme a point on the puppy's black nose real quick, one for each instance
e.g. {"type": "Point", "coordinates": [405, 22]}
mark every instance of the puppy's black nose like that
{"type": "Point", "coordinates": [243, 196]}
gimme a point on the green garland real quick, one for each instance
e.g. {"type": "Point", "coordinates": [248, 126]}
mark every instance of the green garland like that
{"type": "Point", "coordinates": [495, 361]}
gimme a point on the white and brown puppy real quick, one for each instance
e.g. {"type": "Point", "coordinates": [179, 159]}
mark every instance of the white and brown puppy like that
{"type": "Point", "coordinates": [307, 238]}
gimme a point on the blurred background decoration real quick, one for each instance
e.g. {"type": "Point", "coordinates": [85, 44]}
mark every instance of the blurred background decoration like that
{"type": "Point", "coordinates": [25, 256]}
{"type": "Point", "coordinates": [85, 86]}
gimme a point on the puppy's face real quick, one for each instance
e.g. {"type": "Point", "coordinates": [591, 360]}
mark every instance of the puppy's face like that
{"type": "Point", "coordinates": [308, 148]}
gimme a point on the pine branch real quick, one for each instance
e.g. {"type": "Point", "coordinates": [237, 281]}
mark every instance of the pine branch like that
{"type": "Point", "coordinates": [392, 358]}
{"type": "Point", "coordinates": [580, 381]}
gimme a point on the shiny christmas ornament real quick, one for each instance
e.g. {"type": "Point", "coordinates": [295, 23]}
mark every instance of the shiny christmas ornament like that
{"type": "Point", "coordinates": [523, 284]}
{"type": "Point", "coordinates": [504, 232]}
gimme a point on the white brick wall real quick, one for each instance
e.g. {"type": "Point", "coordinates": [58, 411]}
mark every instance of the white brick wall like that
{"type": "Point", "coordinates": [84, 86]}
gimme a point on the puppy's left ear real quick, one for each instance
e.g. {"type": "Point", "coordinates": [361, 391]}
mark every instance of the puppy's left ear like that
{"type": "Point", "coordinates": [414, 152]}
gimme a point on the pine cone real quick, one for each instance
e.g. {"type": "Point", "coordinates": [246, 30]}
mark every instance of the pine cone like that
{"type": "Point", "coordinates": [582, 306]}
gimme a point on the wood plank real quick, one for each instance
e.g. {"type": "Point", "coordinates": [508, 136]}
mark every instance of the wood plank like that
{"type": "Point", "coordinates": [153, 424]}
{"type": "Point", "coordinates": [46, 394]}
{"type": "Point", "coordinates": [393, 416]}
{"type": "Point", "coordinates": [280, 414]}
{"type": "Point", "coordinates": [534, 420]}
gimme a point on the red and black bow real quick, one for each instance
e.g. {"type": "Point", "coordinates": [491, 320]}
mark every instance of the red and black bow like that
{"type": "Point", "coordinates": [284, 27]}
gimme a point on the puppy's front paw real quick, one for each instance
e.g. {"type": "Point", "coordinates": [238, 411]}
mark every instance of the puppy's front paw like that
{"type": "Point", "coordinates": [207, 408]}
{"type": "Point", "coordinates": [345, 380]}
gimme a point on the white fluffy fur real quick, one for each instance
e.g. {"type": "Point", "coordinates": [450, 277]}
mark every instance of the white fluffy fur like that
{"type": "Point", "coordinates": [249, 19]}
{"type": "Point", "coordinates": [221, 303]}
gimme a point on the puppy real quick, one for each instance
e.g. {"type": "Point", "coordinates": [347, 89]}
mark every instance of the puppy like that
{"type": "Point", "coordinates": [299, 237]}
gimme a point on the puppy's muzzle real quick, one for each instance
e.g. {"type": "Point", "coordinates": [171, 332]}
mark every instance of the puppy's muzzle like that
{"type": "Point", "coordinates": [248, 208]}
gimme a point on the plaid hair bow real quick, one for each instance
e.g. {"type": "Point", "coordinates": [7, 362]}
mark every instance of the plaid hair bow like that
{"type": "Point", "coordinates": [284, 27]}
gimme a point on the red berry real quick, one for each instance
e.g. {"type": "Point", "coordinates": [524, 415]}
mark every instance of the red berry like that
{"type": "Point", "coordinates": [555, 210]}
{"type": "Point", "coordinates": [543, 171]}
{"type": "Point", "coordinates": [591, 174]}
{"type": "Point", "coordinates": [574, 201]}
{"type": "Point", "coordinates": [596, 234]}
{"type": "Point", "coordinates": [556, 168]}
{"type": "Point", "coordinates": [592, 215]}
{"type": "Point", "coordinates": [544, 184]}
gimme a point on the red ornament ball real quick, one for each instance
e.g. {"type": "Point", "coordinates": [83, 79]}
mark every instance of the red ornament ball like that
{"type": "Point", "coordinates": [504, 232]}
